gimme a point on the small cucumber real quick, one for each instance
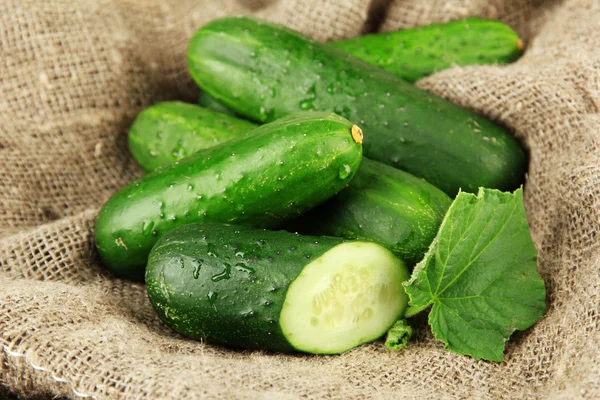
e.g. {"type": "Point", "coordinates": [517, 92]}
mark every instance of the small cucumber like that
{"type": "Point", "coordinates": [169, 131]}
{"type": "Point", "coordinates": [382, 204]}
{"type": "Point", "coordinates": [275, 173]}
{"type": "Point", "coordinates": [265, 71]}
{"type": "Point", "coordinates": [279, 291]}
{"type": "Point", "coordinates": [412, 54]}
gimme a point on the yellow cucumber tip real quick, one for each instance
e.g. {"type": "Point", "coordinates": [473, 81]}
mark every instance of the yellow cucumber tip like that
{"type": "Point", "coordinates": [357, 134]}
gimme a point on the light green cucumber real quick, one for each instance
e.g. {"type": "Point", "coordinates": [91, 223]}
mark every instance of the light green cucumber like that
{"type": "Point", "coordinates": [415, 53]}
{"type": "Point", "coordinates": [278, 291]}
{"type": "Point", "coordinates": [169, 131]}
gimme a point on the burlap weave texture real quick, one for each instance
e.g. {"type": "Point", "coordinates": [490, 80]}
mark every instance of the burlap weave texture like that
{"type": "Point", "coordinates": [73, 74]}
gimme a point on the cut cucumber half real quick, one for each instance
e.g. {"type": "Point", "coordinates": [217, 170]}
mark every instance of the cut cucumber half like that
{"type": "Point", "coordinates": [350, 295]}
{"type": "Point", "coordinates": [278, 291]}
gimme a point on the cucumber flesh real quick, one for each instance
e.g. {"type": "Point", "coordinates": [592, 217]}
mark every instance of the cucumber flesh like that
{"type": "Point", "coordinates": [350, 295]}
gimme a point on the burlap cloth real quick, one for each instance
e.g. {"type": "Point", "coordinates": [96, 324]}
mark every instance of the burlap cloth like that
{"type": "Point", "coordinates": [73, 74]}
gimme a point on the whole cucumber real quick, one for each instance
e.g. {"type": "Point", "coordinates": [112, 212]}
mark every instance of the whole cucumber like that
{"type": "Point", "coordinates": [275, 173]}
{"type": "Point", "coordinates": [251, 288]}
{"type": "Point", "coordinates": [412, 54]}
{"type": "Point", "coordinates": [265, 71]}
{"type": "Point", "coordinates": [169, 131]}
{"type": "Point", "coordinates": [382, 204]}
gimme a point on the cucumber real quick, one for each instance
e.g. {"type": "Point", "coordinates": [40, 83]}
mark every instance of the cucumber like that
{"type": "Point", "coordinates": [412, 54]}
{"type": "Point", "coordinates": [382, 204]}
{"type": "Point", "coordinates": [207, 101]}
{"type": "Point", "coordinates": [258, 289]}
{"type": "Point", "coordinates": [169, 131]}
{"type": "Point", "coordinates": [265, 71]}
{"type": "Point", "coordinates": [275, 173]}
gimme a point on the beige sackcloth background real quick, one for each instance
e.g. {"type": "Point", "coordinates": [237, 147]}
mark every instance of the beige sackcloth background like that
{"type": "Point", "coordinates": [73, 74]}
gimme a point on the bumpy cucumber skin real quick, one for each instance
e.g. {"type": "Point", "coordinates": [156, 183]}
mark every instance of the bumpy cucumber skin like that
{"type": "Point", "coordinates": [227, 284]}
{"type": "Point", "coordinates": [412, 54]}
{"type": "Point", "coordinates": [384, 205]}
{"type": "Point", "coordinates": [265, 71]}
{"type": "Point", "coordinates": [169, 131]}
{"type": "Point", "coordinates": [277, 172]}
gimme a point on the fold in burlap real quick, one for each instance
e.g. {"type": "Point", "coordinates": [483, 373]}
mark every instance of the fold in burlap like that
{"type": "Point", "coordinates": [74, 74]}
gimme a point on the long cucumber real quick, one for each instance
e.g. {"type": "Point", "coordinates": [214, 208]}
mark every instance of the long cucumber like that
{"type": "Point", "coordinates": [265, 71]}
{"type": "Point", "coordinates": [415, 53]}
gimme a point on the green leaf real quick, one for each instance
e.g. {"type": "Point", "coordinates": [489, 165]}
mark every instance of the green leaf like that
{"type": "Point", "coordinates": [480, 275]}
{"type": "Point", "coordinates": [398, 335]}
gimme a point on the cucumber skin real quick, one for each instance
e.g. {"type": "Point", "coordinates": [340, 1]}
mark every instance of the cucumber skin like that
{"type": "Point", "coordinates": [412, 54]}
{"type": "Point", "coordinates": [384, 205]}
{"type": "Point", "coordinates": [207, 101]}
{"type": "Point", "coordinates": [238, 62]}
{"type": "Point", "coordinates": [270, 179]}
{"type": "Point", "coordinates": [245, 309]}
{"type": "Point", "coordinates": [169, 131]}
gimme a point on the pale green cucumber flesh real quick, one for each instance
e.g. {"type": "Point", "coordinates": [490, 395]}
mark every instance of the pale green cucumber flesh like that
{"type": "Point", "coordinates": [350, 295]}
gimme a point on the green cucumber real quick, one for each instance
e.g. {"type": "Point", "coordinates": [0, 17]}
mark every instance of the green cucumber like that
{"type": "Point", "coordinates": [275, 173]}
{"type": "Point", "coordinates": [412, 54]}
{"type": "Point", "coordinates": [207, 101]}
{"type": "Point", "coordinates": [382, 204]}
{"type": "Point", "coordinates": [169, 131]}
{"type": "Point", "coordinates": [265, 71]}
{"type": "Point", "coordinates": [258, 289]}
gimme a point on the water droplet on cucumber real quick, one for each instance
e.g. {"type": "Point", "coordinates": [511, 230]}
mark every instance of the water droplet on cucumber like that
{"type": "Point", "coordinates": [244, 268]}
{"type": "Point", "coordinates": [306, 105]}
{"type": "Point", "coordinates": [345, 171]}
{"type": "Point", "coordinates": [212, 297]}
{"type": "Point", "coordinates": [211, 250]}
{"type": "Point", "coordinates": [225, 274]}
{"type": "Point", "coordinates": [147, 227]}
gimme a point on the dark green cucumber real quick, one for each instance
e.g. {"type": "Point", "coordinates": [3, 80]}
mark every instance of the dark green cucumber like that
{"type": "Point", "coordinates": [384, 205]}
{"type": "Point", "coordinates": [258, 289]}
{"type": "Point", "coordinates": [412, 54]}
{"type": "Point", "coordinates": [207, 101]}
{"type": "Point", "coordinates": [169, 131]}
{"type": "Point", "coordinates": [275, 173]}
{"type": "Point", "coordinates": [265, 71]}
